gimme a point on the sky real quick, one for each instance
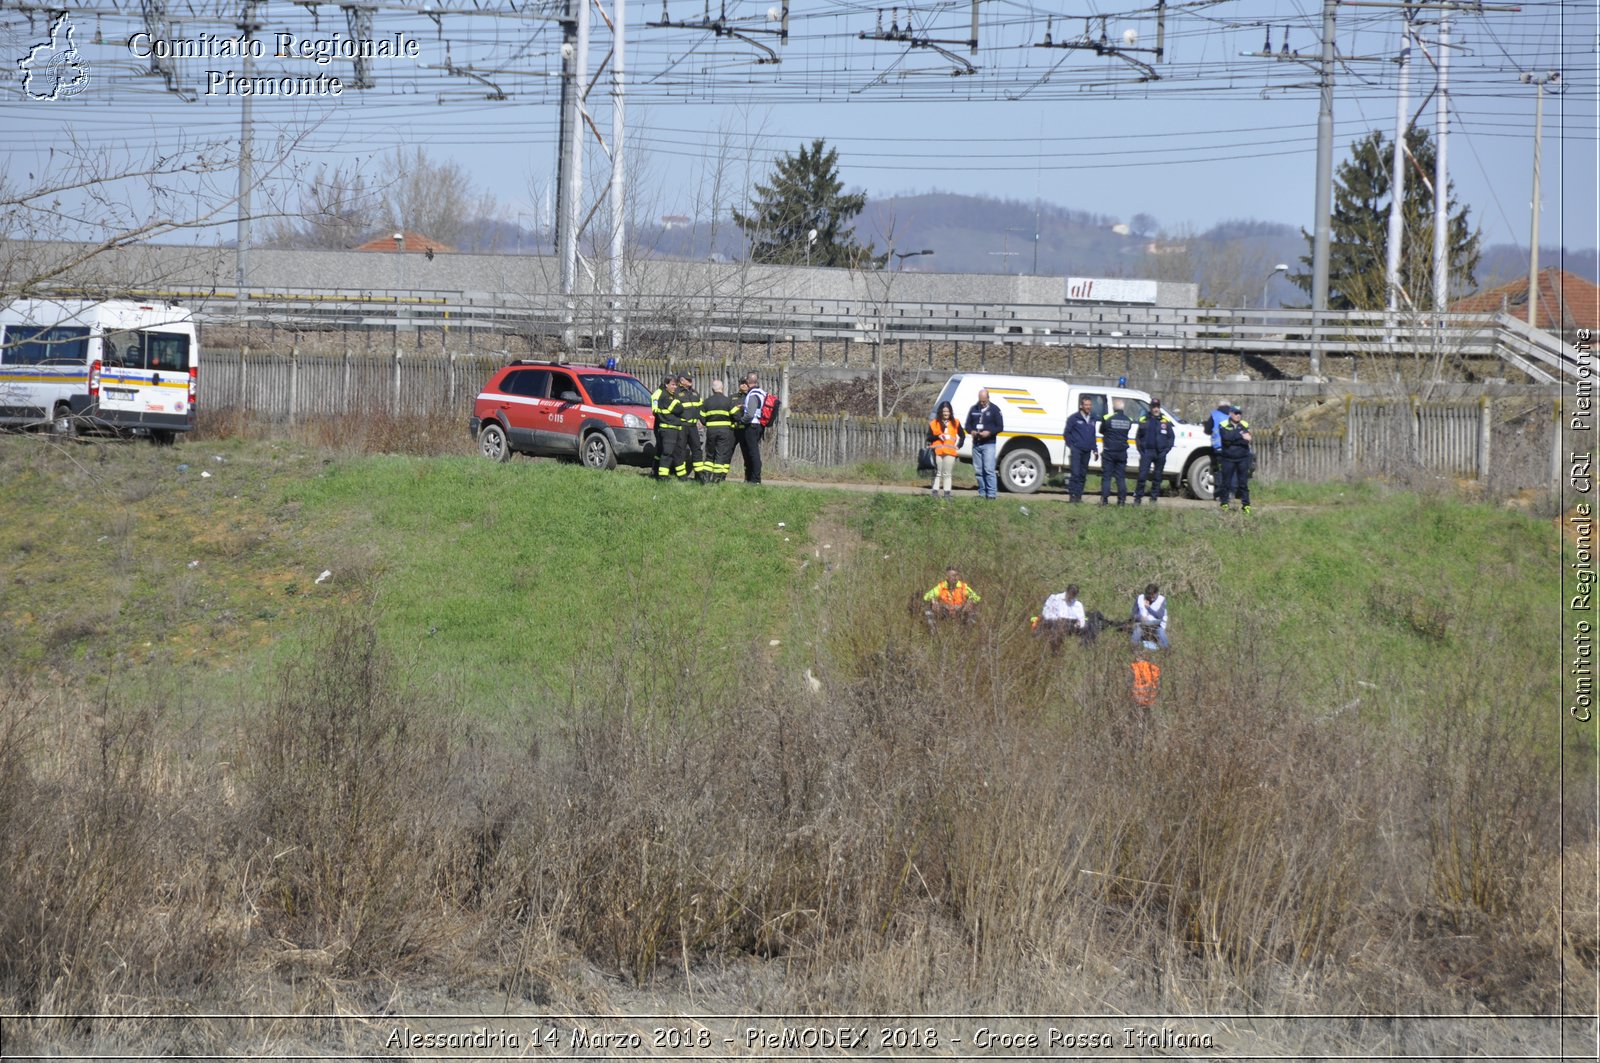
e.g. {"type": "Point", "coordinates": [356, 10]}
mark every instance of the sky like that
{"type": "Point", "coordinates": [1205, 132]}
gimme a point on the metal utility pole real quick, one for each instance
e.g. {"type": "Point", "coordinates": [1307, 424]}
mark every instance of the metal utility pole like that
{"type": "Point", "coordinates": [1533, 237]}
{"type": "Point", "coordinates": [618, 212]}
{"type": "Point", "coordinates": [567, 177]}
{"type": "Point", "coordinates": [247, 28]}
{"type": "Point", "coordinates": [1397, 171]}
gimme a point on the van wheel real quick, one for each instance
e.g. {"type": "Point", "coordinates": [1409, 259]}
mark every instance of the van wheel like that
{"type": "Point", "coordinates": [1202, 478]}
{"type": "Point", "coordinates": [596, 451]}
{"type": "Point", "coordinates": [1022, 471]}
{"type": "Point", "coordinates": [492, 442]}
{"type": "Point", "coordinates": [63, 425]}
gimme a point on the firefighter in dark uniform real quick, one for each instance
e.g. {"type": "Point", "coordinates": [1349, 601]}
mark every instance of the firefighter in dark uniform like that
{"type": "Point", "coordinates": [694, 451]}
{"type": "Point", "coordinates": [655, 408]}
{"type": "Point", "coordinates": [717, 414]}
{"type": "Point", "coordinates": [1236, 458]}
{"type": "Point", "coordinates": [669, 426]}
{"type": "Point", "coordinates": [1114, 429]}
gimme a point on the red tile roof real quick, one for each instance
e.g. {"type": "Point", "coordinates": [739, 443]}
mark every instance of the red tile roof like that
{"type": "Point", "coordinates": [415, 243]}
{"type": "Point", "coordinates": [1566, 301]}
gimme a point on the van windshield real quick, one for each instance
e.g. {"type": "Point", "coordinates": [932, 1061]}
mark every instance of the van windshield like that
{"type": "Point", "coordinates": [57, 345]}
{"type": "Point", "coordinates": [947, 395]}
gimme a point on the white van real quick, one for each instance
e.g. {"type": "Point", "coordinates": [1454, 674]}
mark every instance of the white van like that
{"type": "Point", "coordinates": [117, 365]}
{"type": "Point", "coordinates": [1036, 409]}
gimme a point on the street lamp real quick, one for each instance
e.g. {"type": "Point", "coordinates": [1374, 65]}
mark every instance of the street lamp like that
{"type": "Point", "coordinates": [903, 255]}
{"type": "Point", "coordinates": [811, 238]}
{"type": "Point", "coordinates": [1281, 267]}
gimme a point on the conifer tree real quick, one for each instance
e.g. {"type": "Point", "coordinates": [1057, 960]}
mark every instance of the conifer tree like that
{"type": "Point", "coordinates": [805, 193]}
{"type": "Point", "coordinates": [1358, 252]}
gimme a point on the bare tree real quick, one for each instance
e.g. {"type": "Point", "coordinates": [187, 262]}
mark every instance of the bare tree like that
{"type": "Point", "coordinates": [90, 221]}
{"type": "Point", "coordinates": [434, 199]}
{"type": "Point", "coordinates": [338, 209]}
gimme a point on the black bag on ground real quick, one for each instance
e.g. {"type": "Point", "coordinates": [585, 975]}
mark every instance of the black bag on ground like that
{"type": "Point", "coordinates": [925, 462]}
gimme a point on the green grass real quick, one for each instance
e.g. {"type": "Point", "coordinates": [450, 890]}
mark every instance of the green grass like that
{"type": "Point", "coordinates": [519, 580]}
{"type": "Point", "coordinates": [512, 584]}
{"type": "Point", "coordinates": [1389, 589]}
{"type": "Point", "coordinates": [1325, 808]}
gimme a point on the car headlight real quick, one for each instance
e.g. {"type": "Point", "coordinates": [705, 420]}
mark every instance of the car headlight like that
{"type": "Point", "coordinates": [633, 420]}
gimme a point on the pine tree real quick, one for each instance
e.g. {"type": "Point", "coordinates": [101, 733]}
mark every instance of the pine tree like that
{"type": "Point", "coordinates": [1358, 252]}
{"type": "Point", "coordinates": [805, 193]}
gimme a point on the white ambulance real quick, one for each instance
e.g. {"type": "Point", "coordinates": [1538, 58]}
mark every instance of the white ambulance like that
{"type": "Point", "coordinates": [116, 365]}
{"type": "Point", "coordinates": [1036, 408]}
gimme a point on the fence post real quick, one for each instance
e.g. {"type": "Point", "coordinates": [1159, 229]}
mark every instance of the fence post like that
{"type": "Point", "coordinates": [841, 447]}
{"type": "Point", "coordinates": [244, 381]}
{"type": "Point", "coordinates": [345, 392]}
{"type": "Point", "coordinates": [783, 425]}
{"type": "Point", "coordinates": [1485, 405]}
{"type": "Point", "coordinates": [1349, 434]}
{"type": "Point", "coordinates": [1557, 451]}
{"type": "Point", "coordinates": [452, 388]}
{"type": "Point", "coordinates": [396, 403]}
{"type": "Point", "coordinates": [294, 381]}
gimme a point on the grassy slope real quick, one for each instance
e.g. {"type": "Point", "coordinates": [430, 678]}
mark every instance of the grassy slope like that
{"type": "Point", "coordinates": [510, 576]}
{"type": "Point", "coordinates": [1393, 590]}
{"type": "Point", "coordinates": [507, 582]}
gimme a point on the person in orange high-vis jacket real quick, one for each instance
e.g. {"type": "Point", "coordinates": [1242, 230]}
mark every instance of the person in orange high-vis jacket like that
{"type": "Point", "coordinates": [945, 436]}
{"type": "Point", "coordinates": [1146, 682]}
{"type": "Point", "coordinates": [951, 598]}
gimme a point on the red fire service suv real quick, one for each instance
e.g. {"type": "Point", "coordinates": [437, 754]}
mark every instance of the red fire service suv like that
{"type": "Point", "coordinates": [595, 415]}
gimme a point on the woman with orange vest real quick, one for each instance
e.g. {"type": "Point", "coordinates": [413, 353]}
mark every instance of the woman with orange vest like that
{"type": "Point", "coordinates": [945, 435]}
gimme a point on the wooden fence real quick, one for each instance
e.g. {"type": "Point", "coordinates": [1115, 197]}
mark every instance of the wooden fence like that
{"type": "Point", "coordinates": [1383, 438]}
{"type": "Point", "coordinates": [1371, 439]}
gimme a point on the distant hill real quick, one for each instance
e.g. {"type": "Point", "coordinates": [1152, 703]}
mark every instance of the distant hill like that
{"type": "Point", "coordinates": [1231, 261]}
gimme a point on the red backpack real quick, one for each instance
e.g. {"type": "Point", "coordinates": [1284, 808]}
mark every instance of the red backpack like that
{"type": "Point", "coordinates": [769, 410]}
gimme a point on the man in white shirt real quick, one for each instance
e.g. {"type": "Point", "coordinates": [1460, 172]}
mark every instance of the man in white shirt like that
{"type": "Point", "coordinates": [1150, 617]}
{"type": "Point", "coordinates": [1061, 616]}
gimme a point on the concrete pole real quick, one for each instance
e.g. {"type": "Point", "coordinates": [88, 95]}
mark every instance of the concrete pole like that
{"type": "Point", "coordinates": [1441, 174]}
{"type": "Point", "coordinates": [1533, 238]}
{"type": "Point", "coordinates": [1324, 206]}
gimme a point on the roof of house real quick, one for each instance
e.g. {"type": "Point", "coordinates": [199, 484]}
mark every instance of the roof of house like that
{"type": "Point", "coordinates": [415, 243]}
{"type": "Point", "coordinates": [1566, 301]}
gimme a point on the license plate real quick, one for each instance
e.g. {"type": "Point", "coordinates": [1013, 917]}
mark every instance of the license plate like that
{"type": "Point", "coordinates": [119, 395]}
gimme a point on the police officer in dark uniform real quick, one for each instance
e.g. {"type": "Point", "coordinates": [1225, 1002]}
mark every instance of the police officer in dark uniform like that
{"type": "Point", "coordinates": [1115, 427]}
{"type": "Point", "coordinates": [1155, 437]}
{"type": "Point", "coordinates": [1236, 458]}
{"type": "Point", "coordinates": [717, 414]}
{"type": "Point", "coordinates": [669, 426]}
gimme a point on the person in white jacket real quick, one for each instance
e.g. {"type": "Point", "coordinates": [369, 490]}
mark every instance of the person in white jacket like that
{"type": "Point", "coordinates": [1150, 615]}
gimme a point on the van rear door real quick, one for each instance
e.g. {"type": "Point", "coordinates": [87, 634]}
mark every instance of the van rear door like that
{"type": "Point", "coordinates": [144, 379]}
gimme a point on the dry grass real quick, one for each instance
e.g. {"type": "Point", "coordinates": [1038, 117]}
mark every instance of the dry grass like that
{"type": "Point", "coordinates": [374, 431]}
{"type": "Point", "coordinates": [948, 822]}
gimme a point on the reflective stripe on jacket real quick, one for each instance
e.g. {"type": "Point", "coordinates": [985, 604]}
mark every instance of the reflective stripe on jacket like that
{"type": "Point", "coordinates": [956, 596]}
{"type": "Point", "coordinates": [717, 411]}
